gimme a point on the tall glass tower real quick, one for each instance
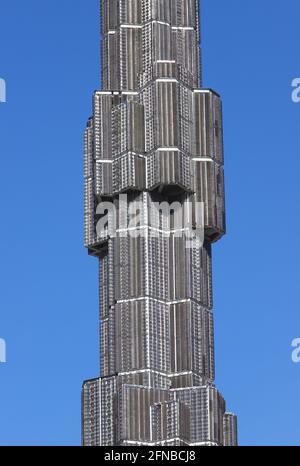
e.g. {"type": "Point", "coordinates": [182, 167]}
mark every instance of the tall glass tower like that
{"type": "Point", "coordinates": [154, 141]}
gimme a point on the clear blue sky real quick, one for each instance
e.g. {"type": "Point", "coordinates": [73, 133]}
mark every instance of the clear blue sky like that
{"type": "Point", "coordinates": [48, 298]}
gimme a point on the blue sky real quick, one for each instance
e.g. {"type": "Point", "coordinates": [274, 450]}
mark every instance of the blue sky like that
{"type": "Point", "coordinates": [48, 299]}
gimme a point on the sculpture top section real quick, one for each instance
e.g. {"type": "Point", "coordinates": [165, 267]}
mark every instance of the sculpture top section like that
{"type": "Point", "coordinates": [146, 39]}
